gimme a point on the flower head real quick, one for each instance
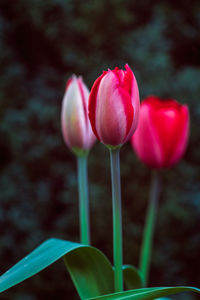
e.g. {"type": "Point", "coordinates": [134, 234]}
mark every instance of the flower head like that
{"type": "Point", "coordinates": [76, 128]}
{"type": "Point", "coordinates": [162, 134]}
{"type": "Point", "coordinates": [114, 106]}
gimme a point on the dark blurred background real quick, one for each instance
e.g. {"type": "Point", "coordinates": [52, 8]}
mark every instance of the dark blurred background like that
{"type": "Point", "coordinates": [41, 44]}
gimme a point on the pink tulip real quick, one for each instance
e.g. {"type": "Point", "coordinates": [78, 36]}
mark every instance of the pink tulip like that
{"type": "Point", "coordinates": [162, 134]}
{"type": "Point", "coordinates": [114, 106]}
{"type": "Point", "coordinates": [76, 128]}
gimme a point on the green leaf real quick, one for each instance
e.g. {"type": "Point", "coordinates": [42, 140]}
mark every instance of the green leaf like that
{"type": "Point", "coordinates": [147, 293]}
{"type": "Point", "coordinates": [90, 270]}
{"type": "Point", "coordinates": [132, 277]}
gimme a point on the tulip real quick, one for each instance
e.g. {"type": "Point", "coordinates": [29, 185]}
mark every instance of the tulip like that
{"type": "Point", "coordinates": [114, 106]}
{"type": "Point", "coordinates": [78, 136]}
{"type": "Point", "coordinates": [160, 141]}
{"type": "Point", "coordinates": [113, 113]}
{"type": "Point", "coordinates": [162, 134]}
{"type": "Point", "coordinates": [76, 128]}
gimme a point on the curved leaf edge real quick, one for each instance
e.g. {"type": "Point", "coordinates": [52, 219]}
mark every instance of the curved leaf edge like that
{"type": "Point", "coordinates": [147, 293]}
{"type": "Point", "coordinates": [133, 278]}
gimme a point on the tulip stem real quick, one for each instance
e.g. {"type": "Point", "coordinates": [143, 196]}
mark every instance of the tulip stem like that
{"type": "Point", "coordinates": [146, 249]}
{"type": "Point", "coordinates": [83, 200]}
{"type": "Point", "coordinates": [117, 218]}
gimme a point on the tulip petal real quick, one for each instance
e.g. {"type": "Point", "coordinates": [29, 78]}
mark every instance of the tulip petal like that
{"type": "Point", "coordinates": [126, 83]}
{"type": "Point", "coordinates": [93, 103]}
{"type": "Point", "coordinates": [84, 95]}
{"type": "Point", "coordinates": [128, 80]}
{"type": "Point", "coordinates": [128, 111]}
{"type": "Point", "coordinates": [169, 124]}
{"type": "Point", "coordinates": [182, 140]}
{"type": "Point", "coordinates": [145, 140]}
{"type": "Point", "coordinates": [89, 138]}
{"type": "Point", "coordinates": [132, 87]}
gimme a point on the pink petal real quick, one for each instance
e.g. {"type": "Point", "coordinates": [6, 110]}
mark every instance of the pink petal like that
{"type": "Point", "coordinates": [146, 141]}
{"type": "Point", "coordinates": [182, 137]}
{"type": "Point", "coordinates": [132, 86]}
{"type": "Point", "coordinates": [168, 121]}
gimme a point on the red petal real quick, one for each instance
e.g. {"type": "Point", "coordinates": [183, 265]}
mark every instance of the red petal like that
{"type": "Point", "coordinates": [128, 109]}
{"type": "Point", "coordinates": [145, 139]}
{"type": "Point", "coordinates": [168, 122]}
{"type": "Point", "coordinates": [182, 140]}
{"type": "Point", "coordinates": [92, 103]}
{"type": "Point", "coordinates": [68, 83]}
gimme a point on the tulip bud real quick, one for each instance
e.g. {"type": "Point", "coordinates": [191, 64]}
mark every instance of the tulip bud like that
{"type": "Point", "coordinates": [76, 128]}
{"type": "Point", "coordinates": [114, 106]}
{"type": "Point", "coordinates": [162, 134]}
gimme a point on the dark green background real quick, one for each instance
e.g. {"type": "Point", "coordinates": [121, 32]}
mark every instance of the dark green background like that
{"type": "Point", "coordinates": [41, 44]}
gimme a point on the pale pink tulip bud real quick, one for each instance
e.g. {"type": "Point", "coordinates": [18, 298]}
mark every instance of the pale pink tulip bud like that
{"type": "Point", "coordinates": [76, 128]}
{"type": "Point", "coordinates": [114, 106]}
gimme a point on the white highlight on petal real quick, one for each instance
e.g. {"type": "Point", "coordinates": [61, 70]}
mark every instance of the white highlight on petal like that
{"type": "Point", "coordinates": [170, 113]}
{"type": "Point", "coordinates": [110, 115]}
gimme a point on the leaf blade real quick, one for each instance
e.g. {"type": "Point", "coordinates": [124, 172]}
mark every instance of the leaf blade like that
{"type": "Point", "coordinates": [133, 278]}
{"type": "Point", "coordinates": [147, 293]}
{"type": "Point", "coordinates": [89, 285]}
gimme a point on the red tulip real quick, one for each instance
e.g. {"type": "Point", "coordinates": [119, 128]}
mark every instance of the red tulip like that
{"type": "Point", "coordinates": [76, 128]}
{"type": "Point", "coordinates": [114, 106]}
{"type": "Point", "coordinates": [162, 134]}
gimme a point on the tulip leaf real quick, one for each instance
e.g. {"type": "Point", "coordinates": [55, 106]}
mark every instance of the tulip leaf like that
{"type": "Point", "coordinates": [89, 269]}
{"type": "Point", "coordinates": [133, 278]}
{"type": "Point", "coordinates": [147, 293]}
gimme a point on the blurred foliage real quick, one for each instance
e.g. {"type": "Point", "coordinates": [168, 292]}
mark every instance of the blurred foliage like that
{"type": "Point", "coordinates": [41, 44]}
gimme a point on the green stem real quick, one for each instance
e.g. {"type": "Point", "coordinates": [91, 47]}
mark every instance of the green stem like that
{"type": "Point", "coordinates": [145, 256]}
{"type": "Point", "coordinates": [117, 219]}
{"type": "Point", "coordinates": [83, 200]}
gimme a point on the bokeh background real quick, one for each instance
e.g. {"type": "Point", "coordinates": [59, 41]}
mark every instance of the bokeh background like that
{"type": "Point", "coordinates": [41, 44]}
